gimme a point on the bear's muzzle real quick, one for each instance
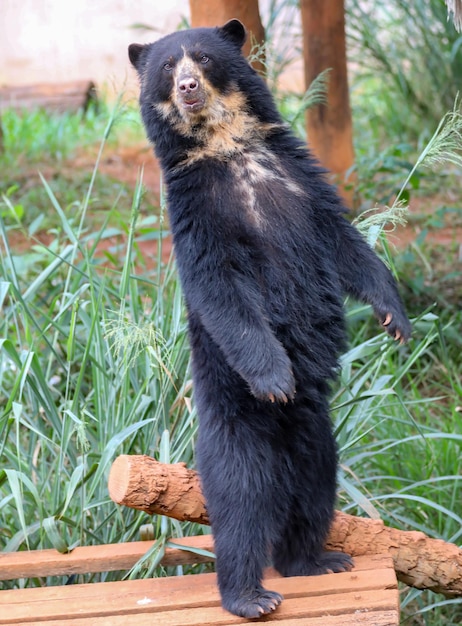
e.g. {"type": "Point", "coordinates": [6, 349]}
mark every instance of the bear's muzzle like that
{"type": "Point", "coordinates": [190, 93]}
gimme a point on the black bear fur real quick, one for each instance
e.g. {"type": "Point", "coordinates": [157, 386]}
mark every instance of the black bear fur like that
{"type": "Point", "coordinates": [265, 256]}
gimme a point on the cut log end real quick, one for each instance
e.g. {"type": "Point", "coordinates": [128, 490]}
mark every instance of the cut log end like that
{"type": "Point", "coordinates": [143, 483]}
{"type": "Point", "coordinates": [119, 478]}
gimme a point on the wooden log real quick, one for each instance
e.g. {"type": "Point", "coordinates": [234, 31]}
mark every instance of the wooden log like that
{"type": "Point", "coordinates": [54, 97]}
{"type": "Point", "coordinates": [142, 483]}
{"type": "Point", "coordinates": [217, 12]}
{"type": "Point", "coordinates": [154, 487]}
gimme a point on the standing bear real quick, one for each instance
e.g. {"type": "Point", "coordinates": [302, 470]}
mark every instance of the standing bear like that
{"type": "Point", "coordinates": [265, 256]}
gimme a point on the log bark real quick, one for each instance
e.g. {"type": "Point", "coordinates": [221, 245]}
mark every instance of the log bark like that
{"type": "Point", "coordinates": [329, 127]}
{"type": "Point", "coordinates": [217, 12]}
{"type": "Point", "coordinates": [142, 483]}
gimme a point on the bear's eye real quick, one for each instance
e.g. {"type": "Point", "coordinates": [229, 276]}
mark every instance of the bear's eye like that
{"type": "Point", "coordinates": [168, 67]}
{"type": "Point", "coordinates": [204, 59]}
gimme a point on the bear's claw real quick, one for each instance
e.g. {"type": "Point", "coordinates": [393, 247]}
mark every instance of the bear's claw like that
{"type": "Point", "coordinates": [396, 325]}
{"type": "Point", "coordinates": [387, 319]}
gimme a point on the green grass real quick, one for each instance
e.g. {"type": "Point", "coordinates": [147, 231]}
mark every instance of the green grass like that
{"type": "Point", "coordinates": [78, 385]}
{"type": "Point", "coordinates": [407, 62]}
{"type": "Point", "coordinates": [28, 136]}
{"type": "Point", "coordinates": [39, 143]}
{"type": "Point", "coordinates": [93, 362]}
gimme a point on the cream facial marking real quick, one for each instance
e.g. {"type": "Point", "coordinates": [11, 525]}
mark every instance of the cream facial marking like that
{"type": "Point", "coordinates": [189, 93]}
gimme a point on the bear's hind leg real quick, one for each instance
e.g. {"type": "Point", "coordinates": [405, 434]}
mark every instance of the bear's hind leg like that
{"type": "Point", "coordinates": [299, 549]}
{"type": "Point", "coordinates": [236, 473]}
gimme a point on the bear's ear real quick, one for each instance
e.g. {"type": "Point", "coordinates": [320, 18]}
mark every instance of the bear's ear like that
{"type": "Point", "coordinates": [235, 32]}
{"type": "Point", "coordinates": [134, 54]}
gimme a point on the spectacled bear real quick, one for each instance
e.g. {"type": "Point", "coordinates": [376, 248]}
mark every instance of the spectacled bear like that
{"type": "Point", "coordinates": [265, 256]}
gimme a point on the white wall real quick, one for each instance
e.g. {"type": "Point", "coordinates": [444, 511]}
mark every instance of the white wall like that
{"type": "Point", "coordinates": [61, 40]}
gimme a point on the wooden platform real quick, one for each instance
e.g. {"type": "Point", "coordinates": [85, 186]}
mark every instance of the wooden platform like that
{"type": "Point", "coordinates": [367, 596]}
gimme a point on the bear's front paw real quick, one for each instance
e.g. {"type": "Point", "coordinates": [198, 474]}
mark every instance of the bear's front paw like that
{"type": "Point", "coordinates": [274, 386]}
{"type": "Point", "coordinates": [397, 325]}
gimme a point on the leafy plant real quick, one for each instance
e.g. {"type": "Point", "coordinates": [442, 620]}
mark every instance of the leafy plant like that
{"type": "Point", "coordinates": [42, 143]}
{"type": "Point", "coordinates": [77, 384]}
{"type": "Point", "coordinates": [407, 63]}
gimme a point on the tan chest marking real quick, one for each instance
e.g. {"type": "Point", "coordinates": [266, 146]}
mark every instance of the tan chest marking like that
{"type": "Point", "coordinates": [225, 130]}
{"type": "Point", "coordinates": [254, 170]}
{"type": "Point", "coordinates": [222, 127]}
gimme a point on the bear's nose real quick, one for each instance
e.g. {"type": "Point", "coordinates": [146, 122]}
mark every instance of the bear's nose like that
{"type": "Point", "coordinates": [186, 85]}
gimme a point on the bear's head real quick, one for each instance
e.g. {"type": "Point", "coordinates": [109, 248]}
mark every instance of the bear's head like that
{"type": "Point", "coordinates": [188, 69]}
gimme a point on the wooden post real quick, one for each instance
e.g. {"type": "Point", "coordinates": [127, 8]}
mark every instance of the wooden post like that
{"type": "Point", "coordinates": [217, 12]}
{"type": "Point", "coordinates": [329, 127]}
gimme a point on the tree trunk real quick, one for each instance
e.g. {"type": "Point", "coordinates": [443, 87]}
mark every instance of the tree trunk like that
{"type": "Point", "coordinates": [217, 12]}
{"type": "Point", "coordinates": [455, 8]}
{"type": "Point", "coordinates": [174, 490]}
{"type": "Point", "coordinates": [329, 126]}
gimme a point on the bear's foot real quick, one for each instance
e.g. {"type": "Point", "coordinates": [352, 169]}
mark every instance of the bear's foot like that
{"type": "Point", "coordinates": [253, 604]}
{"type": "Point", "coordinates": [325, 563]}
{"type": "Point", "coordinates": [274, 386]}
{"type": "Point", "coordinates": [333, 563]}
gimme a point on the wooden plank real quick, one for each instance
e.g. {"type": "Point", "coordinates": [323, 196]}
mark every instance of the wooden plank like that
{"type": "Point", "coordinates": [177, 586]}
{"type": "Point", "coordinates": [377, 618]}
{"type": "Point", "coordinates": [300, 607]}
{"type": "Point", "coordinates": [121, 556]}
{"type": "Point", "coordinates": [338, 609]}
{"type": "Point", "coordinates": [184, 593]}
{"type": "Point", "coordinates": [90, 559]}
